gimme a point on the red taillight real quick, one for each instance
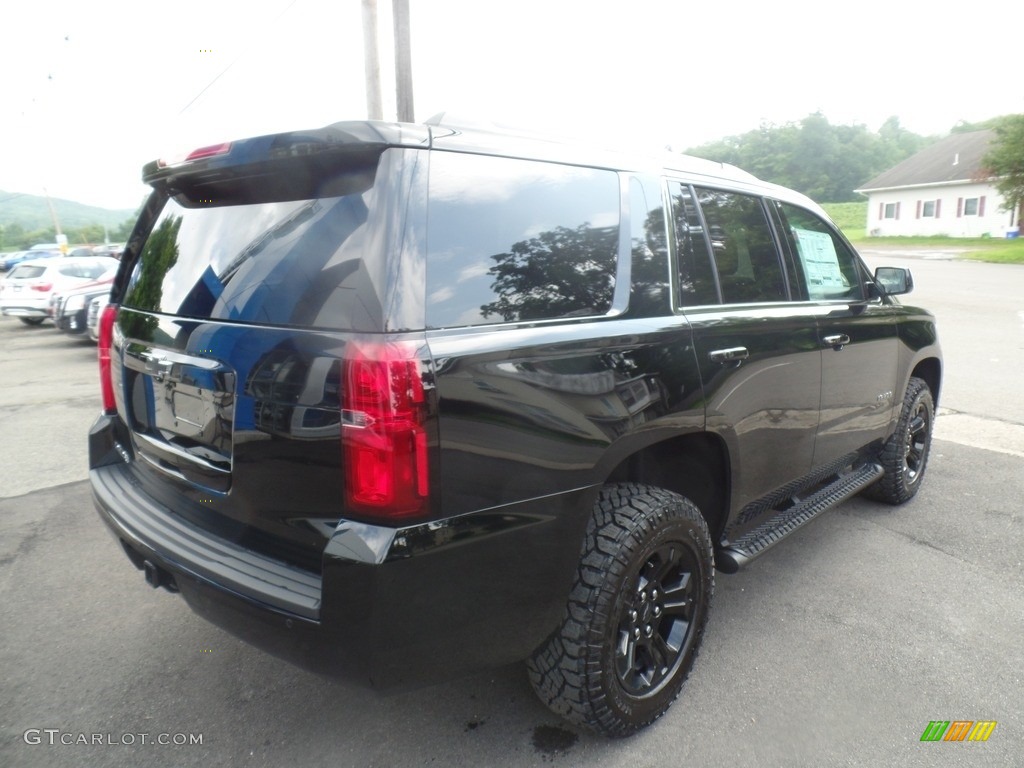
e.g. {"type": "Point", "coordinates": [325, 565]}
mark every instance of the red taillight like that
{"type": "Point", "coordinates": [211, 151]}
{"type": "Point", "coordinates": [383, 436]}
{"type": "Point", "coordinates": [106, 340]}
{"type": "Point", "coordinates": [196, 154]}
{"type": "Point", "coordinates": [42, 287]}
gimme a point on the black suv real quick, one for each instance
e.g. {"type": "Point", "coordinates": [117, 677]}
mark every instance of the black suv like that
{"type": "Point", "coordinates": [397, 402]}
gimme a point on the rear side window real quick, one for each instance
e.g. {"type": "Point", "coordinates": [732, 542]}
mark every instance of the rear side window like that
{"type": "Point", "coordinates": [512, 240]}
{"type": "Point", "coordinates": [748, 264]}
{"type": "Point", "coordinates": [649, 294]}
{"type": "Point", "coordinates": [696, 275]}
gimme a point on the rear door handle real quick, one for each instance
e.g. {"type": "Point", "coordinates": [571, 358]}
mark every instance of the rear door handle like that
{"type": "Point", "coordinates": [836, 341]}
{"type": "Point", "coordinates": [730, 355]}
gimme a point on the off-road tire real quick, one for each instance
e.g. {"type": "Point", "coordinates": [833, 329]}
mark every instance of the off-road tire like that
{"type": "Point", "coordinates": [904, 456]}
{"type": "Point", "coordinates": [636, 613]}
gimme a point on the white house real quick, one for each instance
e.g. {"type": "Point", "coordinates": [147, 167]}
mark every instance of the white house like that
{"type": "Point", "coordinates": [941, 190]}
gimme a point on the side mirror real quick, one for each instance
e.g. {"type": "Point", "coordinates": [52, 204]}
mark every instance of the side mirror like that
{"type": "Point", "coordinates": [894, 280]}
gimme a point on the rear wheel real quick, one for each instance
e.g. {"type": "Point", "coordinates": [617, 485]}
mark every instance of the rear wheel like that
{"type": "Point", "coordinates": [32, 320]}
{"type": "Point", "coordinates": [636, 613]}
{"type": "Point", "coordinates": [905, 455]}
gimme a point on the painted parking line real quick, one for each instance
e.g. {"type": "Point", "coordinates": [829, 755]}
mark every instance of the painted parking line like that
{"type": "Point", "coordinates": [979, 432]}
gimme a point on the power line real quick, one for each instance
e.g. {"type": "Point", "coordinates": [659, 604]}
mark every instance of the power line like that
{"type": "Point", "coordinates": [229, 66]}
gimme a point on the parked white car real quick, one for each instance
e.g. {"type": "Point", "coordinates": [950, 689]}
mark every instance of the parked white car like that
{"type": "Point", "coordinates": [25, 293]}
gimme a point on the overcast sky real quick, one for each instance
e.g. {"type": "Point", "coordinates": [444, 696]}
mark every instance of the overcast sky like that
{"type": "Point", "coordinates": [93, 90]}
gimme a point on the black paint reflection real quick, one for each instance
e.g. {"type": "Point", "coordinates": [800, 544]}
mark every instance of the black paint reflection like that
{"type": "Point", "coordinates": [296, 395]}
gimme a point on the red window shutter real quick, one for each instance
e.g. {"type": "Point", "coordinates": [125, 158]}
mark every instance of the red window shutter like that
{"type": "Point", "coordinates": [918, 216]}
{"type": "Point", "coordinates": [959, 207]}
{"type": "Point", "coordinates": [938, 206]}
{"type": "Point", "coordinates": [981, 205]}
{"type": "Point", "coordinates": [897, 211]}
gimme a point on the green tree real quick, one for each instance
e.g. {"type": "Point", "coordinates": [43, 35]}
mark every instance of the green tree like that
{"type": "Point", "coordinates": [45, 235]}
{"type": "Point", "coordinates": [826, 162]}
{"type": "Point", "coordinates": [1005, 160]}
{"type": "Point", "coordinates": [90, 234]}
{"type": "Point", "coordinates": [123, 231]}
{"type": "Point", "coordinates": [14, 233]}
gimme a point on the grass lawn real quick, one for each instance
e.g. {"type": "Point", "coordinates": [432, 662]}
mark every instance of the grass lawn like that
{"type": "Point", "coordinates": [852, 220]}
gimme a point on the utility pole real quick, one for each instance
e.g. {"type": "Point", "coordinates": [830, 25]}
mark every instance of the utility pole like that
{"type": "Point", "coordinates": [53, 212]}
{"type": "Point", "coordinates": [403, 61]}
{"type": "Point", "coordinates": [61, 238]}
{"type": "Point", "coordinates": [371, 61]}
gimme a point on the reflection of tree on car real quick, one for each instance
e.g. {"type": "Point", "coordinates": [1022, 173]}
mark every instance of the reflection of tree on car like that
{"type": "Point", "coordinates": [554, 274]}
{"type": "Point", "coordinates": [161, 254]}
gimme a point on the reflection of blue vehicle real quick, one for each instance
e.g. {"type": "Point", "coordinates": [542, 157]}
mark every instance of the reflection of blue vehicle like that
{"type": "Point", "coordinates": [12, 260]}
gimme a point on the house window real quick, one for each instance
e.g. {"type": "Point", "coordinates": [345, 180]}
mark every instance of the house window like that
{"type": "Point", "coordinates": [971, 206]}
{"type": "Point", "coordinates": [928, 209]}
{"type": "Point", "coordinates": [892, 211]}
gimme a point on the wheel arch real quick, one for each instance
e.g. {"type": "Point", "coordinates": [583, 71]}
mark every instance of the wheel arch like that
{"type": "Point", "coordinates": [930, 370]}
{"type": "Point", "coordinates": [694, 465]}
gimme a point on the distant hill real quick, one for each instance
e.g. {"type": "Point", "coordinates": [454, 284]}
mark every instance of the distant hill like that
{"type": "Point", "coordinates": [31, 212]}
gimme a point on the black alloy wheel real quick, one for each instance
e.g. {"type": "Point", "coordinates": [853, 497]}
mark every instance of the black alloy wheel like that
{"type": "Point", "coordinates": [904, 457]}
{"type": "Point", "coordinates": [636, 613]}
{"type": "Point", "coordinates": [657, 620]}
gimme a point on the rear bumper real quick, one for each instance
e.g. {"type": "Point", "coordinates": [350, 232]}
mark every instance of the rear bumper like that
{"type": "Point", "coordinates": [392, 607]}
{"type": "Point", "coordinates": [187, 551]}
{"type": "Point", "coordinates": [23, 311]}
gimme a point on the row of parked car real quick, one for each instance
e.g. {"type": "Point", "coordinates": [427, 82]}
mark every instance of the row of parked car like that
{"type": "Point", "coordinates": [9, 261]}
{"type": "Point", "coordinates": [66, 290]}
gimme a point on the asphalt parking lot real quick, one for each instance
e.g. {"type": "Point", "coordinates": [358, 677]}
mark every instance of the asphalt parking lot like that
{"type": "Point", "coordinates": [837, 648]}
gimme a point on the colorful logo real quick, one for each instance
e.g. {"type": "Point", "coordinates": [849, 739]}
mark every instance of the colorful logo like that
{"type": "Point", "coordinates": [958, 730]}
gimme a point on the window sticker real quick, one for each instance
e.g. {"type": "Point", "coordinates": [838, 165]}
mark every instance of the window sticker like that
{"type": "Point", "coordinates": [821, 262]}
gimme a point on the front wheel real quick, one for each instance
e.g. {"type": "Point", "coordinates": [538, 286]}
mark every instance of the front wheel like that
{"type": "Point", "coordinates": [32, 320]}
{"type": "Point", "coordinates": [636, 613]}
{"type": "Point", "coordinates": [904, 456]}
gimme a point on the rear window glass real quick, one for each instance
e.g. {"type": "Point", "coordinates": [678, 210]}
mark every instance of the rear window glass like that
{"type": "Point", "coordinates": [26, 273]}
{"type": "Point", "coordinates": [287, 263]}
{"type": "Point", "coordinates": [91, 270]}
{"type": "Point", "coordinates": [512, 240]}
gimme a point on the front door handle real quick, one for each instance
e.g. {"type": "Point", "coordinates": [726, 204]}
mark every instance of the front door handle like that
{"type": "Point", "coordinates": [836, 341]}
{"type": "Point", "coordinates": [730, 355]}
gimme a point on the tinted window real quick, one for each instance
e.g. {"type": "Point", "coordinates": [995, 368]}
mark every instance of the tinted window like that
{"type": "Point", "coordinates": [747, 261]}
{"type": "Point", "coordinates": [827, 267]}
{"type": "Point", "coordinates": [282, 263]}
{"type": "Point", "coordinates": [647, 237]}
{"type": "Point", "coordinates": [696, 276]}
{"type": "Point", "coordinates": [512, 240]}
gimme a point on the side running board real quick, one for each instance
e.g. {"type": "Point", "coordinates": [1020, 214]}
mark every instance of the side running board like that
{"type": "Point", "coordinates": [772, 531]}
